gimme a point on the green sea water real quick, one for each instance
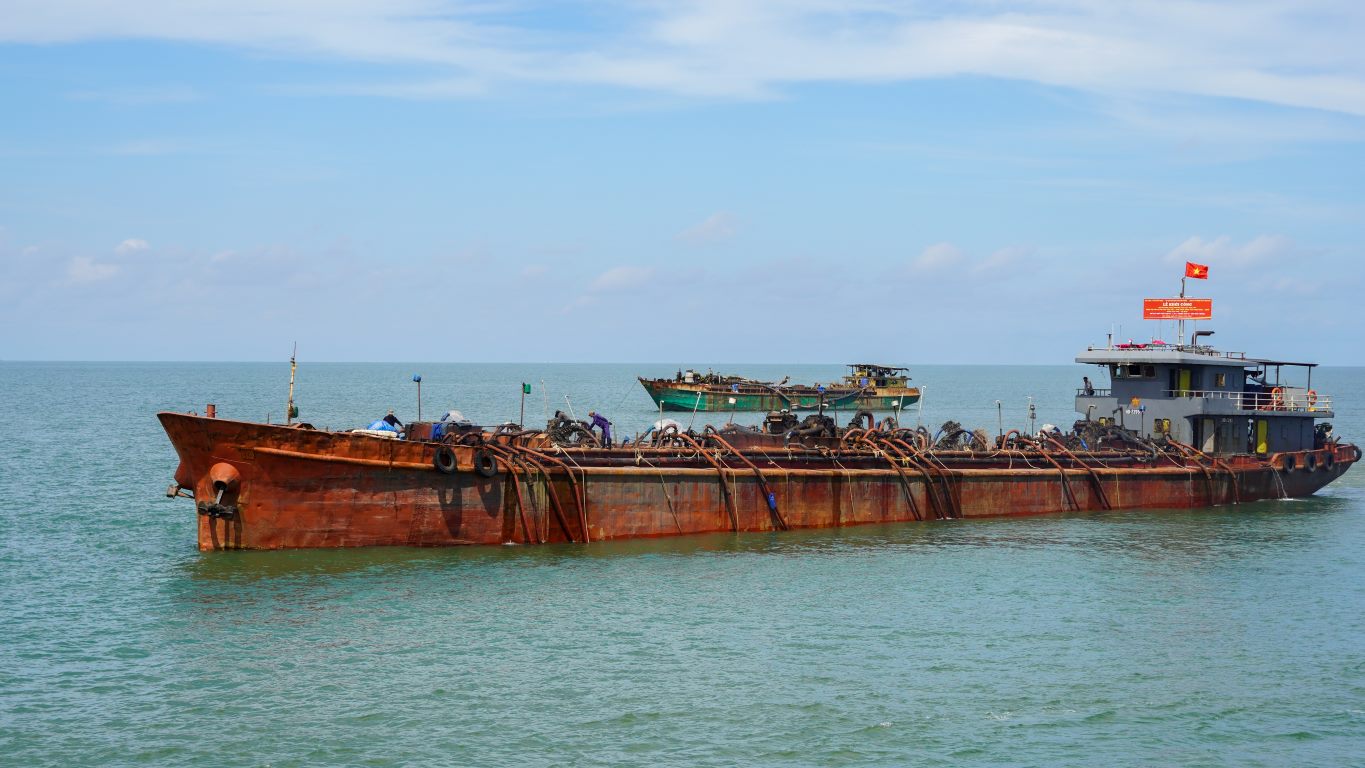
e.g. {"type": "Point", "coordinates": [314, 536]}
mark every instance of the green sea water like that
{"type": "Point", "coordinates": [1225, 637]}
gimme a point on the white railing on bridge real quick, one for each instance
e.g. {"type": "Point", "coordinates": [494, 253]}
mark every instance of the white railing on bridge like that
{"type": "Point", "coordinates": [1286, 399]}
{"type": "Point", "coordinates": [1161, 346]}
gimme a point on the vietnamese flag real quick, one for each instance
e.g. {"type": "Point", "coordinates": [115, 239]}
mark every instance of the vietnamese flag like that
{"type": "Point", "coordinates": [1199, 271]}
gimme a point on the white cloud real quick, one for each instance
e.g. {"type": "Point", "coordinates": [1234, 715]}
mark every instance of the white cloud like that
{"type": "Point", "coordinates": [151, 148]}
{"type": "Point", "coordinates": [621, 278]}
{"type": "Point", "coordinates": [1301, 54]}
{"type": "Point", "coordinates": [1223, 252]}
{"type": "Point", "coordinates": [1282, 285]}
{"type": "Point", "coordinates": [615, 280]}
{"type": "Point", "coordinates": [84, 269]}
{"type": "Point", "coordinates": [1002, 262]}
{"type": "Point", "coordinates": [166, 94]}
{"type": "Point", "coordinates": [715, 228]}
{"type": "Point", "coordinates": [937, 257]}
{"type": "Point", "coordinates": [581, 302]}
{"type": "Point", "coordinates": [131, 245]}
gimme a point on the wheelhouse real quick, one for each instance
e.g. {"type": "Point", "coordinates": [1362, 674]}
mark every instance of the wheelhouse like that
{"type": "Point", "coordinates": [873, 375]}
{"type": "Point", "coordinates": [1218, 402]}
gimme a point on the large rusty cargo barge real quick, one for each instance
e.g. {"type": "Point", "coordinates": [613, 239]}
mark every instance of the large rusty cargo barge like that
{"type": "Point", "coordinates": [263, 487]}
{"type": "Point", "coordinates": [1178, 427]}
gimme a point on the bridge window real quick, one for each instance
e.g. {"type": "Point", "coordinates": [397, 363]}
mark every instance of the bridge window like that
{"type": "Point", "coordinates": [1220, 380]}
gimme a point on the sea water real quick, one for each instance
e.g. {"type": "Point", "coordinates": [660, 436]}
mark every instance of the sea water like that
{"type": "Point", "coordinates": [1229, 636]}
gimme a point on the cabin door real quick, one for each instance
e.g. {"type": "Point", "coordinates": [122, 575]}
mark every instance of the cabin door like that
{"type": "Point", "coordinates": [1262, 435]}
{"type": "Point", "coordinates": [1183, 382]}
{"type": "Point", "coordinates": [1209, 434]}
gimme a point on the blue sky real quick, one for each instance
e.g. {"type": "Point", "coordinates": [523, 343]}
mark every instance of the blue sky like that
{"type": "Point", "coordinates": [690, 181]}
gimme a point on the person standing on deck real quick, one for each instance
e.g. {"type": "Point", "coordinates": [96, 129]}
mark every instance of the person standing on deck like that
{"type": "Point", "coordinates": [600, 422]}
{"type": "Point", "coordinates": [389, 423]}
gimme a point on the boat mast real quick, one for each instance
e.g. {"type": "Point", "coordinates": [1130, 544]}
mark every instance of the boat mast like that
{"type": "Point", "coordinates": [1180, 334]}
{"type": "Point", "coordinates": [289, 407]}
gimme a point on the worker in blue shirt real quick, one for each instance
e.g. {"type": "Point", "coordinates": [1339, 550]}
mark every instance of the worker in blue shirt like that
{"type": "Point", "coordinates": [600, 422]}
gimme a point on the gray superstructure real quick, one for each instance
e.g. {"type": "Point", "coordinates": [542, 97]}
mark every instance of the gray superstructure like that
{"type": "Point", "coordinates": [1218, 402]}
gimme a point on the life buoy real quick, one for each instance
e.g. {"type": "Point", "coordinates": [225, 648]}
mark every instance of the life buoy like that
{"type": "Point", "coordinates": [444, 459]}
{"type": "Point", "coordinates": [1312, 397]}
{"type": "Point", "coordinates": [485, 464]}
{"type": "Point", "coordinates": [1277, 398]}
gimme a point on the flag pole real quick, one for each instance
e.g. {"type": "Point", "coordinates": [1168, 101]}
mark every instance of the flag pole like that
{"type": "Point", "coordinates": [289, 408]}
{"type": "Point", "coordinates": [1180, 341]}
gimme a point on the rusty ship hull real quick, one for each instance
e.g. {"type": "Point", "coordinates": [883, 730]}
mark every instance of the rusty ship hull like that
{"type": "Point", "coordinates": [286, 487]}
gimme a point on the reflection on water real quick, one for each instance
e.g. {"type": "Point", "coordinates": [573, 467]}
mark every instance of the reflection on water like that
{"type": "Point", "coordinates": [1147, 534]}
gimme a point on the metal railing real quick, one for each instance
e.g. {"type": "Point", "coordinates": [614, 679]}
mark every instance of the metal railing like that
{"type": "Point", "coordinates": [1288, 399]}
{"type": "Point", "coordinates": [1300, 400]}
{"type": "Point", "coordinates": [1187, 348]}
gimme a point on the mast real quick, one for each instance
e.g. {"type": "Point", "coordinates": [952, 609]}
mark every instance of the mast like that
{"type": "Point", "coordinates": [289, 411]}
{"type": "Point", "coordinates": [1180, 334]}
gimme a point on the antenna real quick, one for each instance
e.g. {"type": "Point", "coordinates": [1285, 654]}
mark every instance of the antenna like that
{"type": "Point", "coordinates": [290, 411]}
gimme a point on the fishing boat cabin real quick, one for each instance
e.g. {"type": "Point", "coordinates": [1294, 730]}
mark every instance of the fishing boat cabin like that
{"type": "Point", "coordinates": [865, 375]}
{"type": "Point", "coordinates": [1218, 402]}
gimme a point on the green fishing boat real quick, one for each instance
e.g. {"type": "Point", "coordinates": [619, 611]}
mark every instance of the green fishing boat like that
{"type": "Point", "coordinates": [867, 387]}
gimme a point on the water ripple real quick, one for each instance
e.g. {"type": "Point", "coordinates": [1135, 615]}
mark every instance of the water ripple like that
{"type": "Point", "coordinates": [1211, 637]}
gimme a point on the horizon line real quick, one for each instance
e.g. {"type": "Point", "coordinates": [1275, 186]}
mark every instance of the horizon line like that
{"type": "Point", "coordinates": [542, 362]}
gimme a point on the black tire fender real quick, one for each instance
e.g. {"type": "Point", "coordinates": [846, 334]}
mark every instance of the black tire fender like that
{"type": "Point", "coordinates": [444, 459]}
{"type": "Point", "coordinates": [485, 464]}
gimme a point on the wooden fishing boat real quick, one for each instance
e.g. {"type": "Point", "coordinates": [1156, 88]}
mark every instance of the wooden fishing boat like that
{"type": "Point", "coordinates": [867, 386]}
